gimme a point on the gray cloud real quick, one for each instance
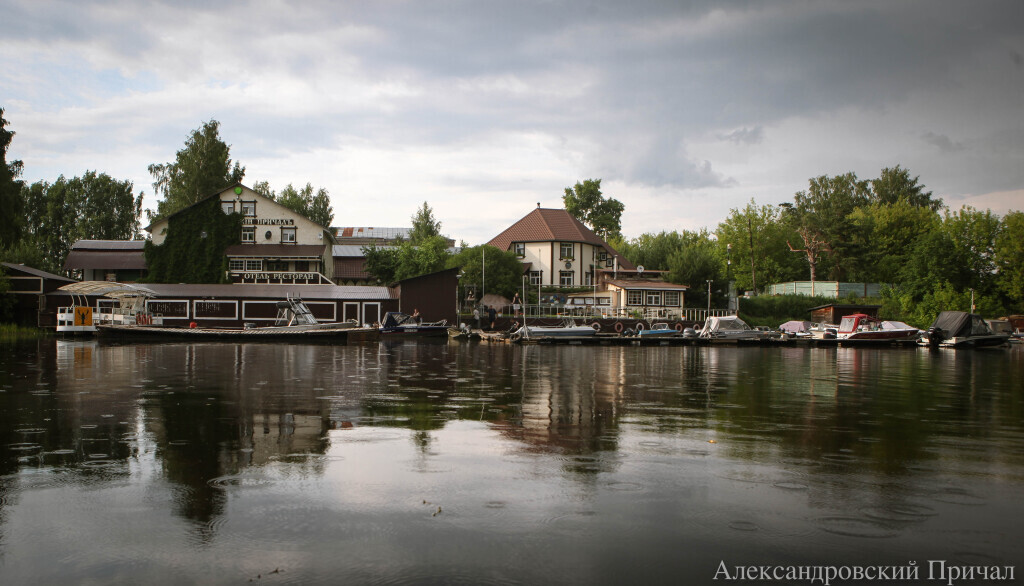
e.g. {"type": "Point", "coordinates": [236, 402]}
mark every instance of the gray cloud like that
{"type": "Point", "coordinates": [942, 142]}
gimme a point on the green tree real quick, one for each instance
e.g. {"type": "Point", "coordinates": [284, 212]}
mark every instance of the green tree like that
{"type": "Point", "coordinates": [694, 265]}
{"type": "Point", "coordinates": [1009, 257]}
{"type": "Point", "coordinates": [93, 206]}
{"type": "Point", "coordinates": [820, 215]}
{"type": "Point", "coordinates": [503, 269]}
{"type": "Point", "coordinates": [760, 255]}
{"type": "Point", "coordinates": [11, 216]}
{"type": "Point", "coordinates": [314, 204]}
{"type": "Point", "coordinates": [890, 232]}
{"type": "Point", "coordinates": [424, 225]}
{"type": "Point", "coordinates": [200, 169]}
{"type": "Point", "coordinates": [973, 234]}
{"type": "Point", "coordinates": [652, 251]}
{"type": "Point", "coordinates": [895, 184]}
{"type": "Point", "coordinates": [603, 215]}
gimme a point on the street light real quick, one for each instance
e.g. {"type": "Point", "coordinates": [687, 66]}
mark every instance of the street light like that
{"type": "Point", "coordinates": [709, 299]}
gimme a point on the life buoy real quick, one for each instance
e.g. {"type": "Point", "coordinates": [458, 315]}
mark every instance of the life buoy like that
{"type": "Point", "coordinates": [619, 327]}
{"type": "Point", "coordinates": [679, 327]}
{"type": "Point", "coordinates": [596, 326]}
{"type": "Point", "coordinates": [515, 337]}
{"type": "Point", "coordinates": [640, 326]}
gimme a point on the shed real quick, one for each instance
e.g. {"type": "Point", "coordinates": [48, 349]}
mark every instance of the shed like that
{"type": "Point", "coordinates": [833, 313]}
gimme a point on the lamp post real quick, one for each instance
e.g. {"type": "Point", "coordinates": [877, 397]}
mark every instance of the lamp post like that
{"type": "Point", "coordinates": [708, 314]}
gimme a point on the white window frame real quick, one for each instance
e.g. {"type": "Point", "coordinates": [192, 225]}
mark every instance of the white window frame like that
{"type": "Point", "coordinates": [249, 231]}
{"type": "Point", "coordinates": [254, 265]}
{"type": "Point", "coordinates": [247, 207]}
{"type": "Point", "coordinates": [289, 232]}
{"type": "Point", "coordinates": [236, 264]}
{"type": "Point", "coordinates": [652, 298]}
{"type": "Point", "coordinates": [519, 248]}
{"type": "Point", "coordinates": [672, 298]}
{"type": "Point", "coordinates": [562, 250]}
{"type": "Point", "coordinates": [228, 207]}
{"type": "Point", "coordinates": [536, 277]}
{"type": "Point", "coordinates": [563, 276]}
{"type": "Point", "coordinates": [634, 297]}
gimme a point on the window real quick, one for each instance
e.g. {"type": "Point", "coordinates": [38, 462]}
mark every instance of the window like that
{"type": "Point", "coordinates": [302, 266]}
{"type": "Point", "coordinates": [672, 298]}
{"type": "Point", "coordinates": [566, 250]}
{"type": "Point", "coordinates": [634, 297]}
{"type": "Point", "coordinates": [228, 207]}
{"type": "Point", "coordinates": [519, 248]}
{"type": "Point", "coordinates": [535, 277]}
{"type": "Point", "coordinates": [248, 208]}
{"type": "Point", "coordinates": [249, 234]}
{"type": "Point", "coordinates": [588, 279]}
{"type": "Point", "coordinates": [654, 298]}
{"type": "Point", "coordinates": [565, 278]}
{"type": "Point", "coordinates": [236, 265]}
{"type": "Point", "coordinates": [254, 265]}
{"type": "Point", "coordinates": [288, 235]}
{"type": "Point", "coordinates": [279, 266]}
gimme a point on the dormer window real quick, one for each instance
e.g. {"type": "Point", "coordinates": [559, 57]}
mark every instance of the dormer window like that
{"type": "Point", "coordinates": [519, 248]}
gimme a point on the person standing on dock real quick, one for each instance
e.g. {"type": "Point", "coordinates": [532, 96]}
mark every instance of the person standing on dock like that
{"type": "Point", "coordinates": [516, 304]}
{"type": "Point", "coordinates": [492, 317]}
{"type": "Point", "coordinates": [476, 316]}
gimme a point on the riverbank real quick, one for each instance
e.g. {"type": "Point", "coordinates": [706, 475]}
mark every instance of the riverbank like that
{"type": "Point", "coordinates": [15, 333]}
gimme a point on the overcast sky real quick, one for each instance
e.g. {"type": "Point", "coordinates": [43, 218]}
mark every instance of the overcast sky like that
{"type": "Point", "coordinates": [483, 109]}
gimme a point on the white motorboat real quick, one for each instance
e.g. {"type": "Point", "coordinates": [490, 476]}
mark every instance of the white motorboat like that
{"type": "Point", "coordinates": [729, 327]}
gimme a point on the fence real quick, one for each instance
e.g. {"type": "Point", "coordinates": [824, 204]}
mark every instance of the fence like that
{"type": "Point", "coordinates": [589, 312]}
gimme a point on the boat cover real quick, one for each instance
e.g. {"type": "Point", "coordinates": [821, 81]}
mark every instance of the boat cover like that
{"type": "Point", "coordinates": [960, 323]}
{"type": "Point", "coordinates": [896, 325]}
{"type": "Point", "coordinates": [795, 326]}
{"type": "Point", "coordinates": [394, 319]}
{"type": "Point", "coordinates": [729, 323]}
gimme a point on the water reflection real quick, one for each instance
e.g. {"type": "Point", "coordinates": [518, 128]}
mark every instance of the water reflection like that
{"type": "Point", "coordinates": [741, 446]}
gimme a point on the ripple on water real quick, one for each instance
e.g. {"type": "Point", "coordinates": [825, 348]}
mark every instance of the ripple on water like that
{"type": "Point", "coordinates": [957, 496]}
{"type": "Point", "coordinates": [900, 513]}
{"type": "Point", "coordinates": [744, 526]}
{"type": "Point", "coordinates": [233, 481]}
{"type": "Point", "coordinates": [856, 527]}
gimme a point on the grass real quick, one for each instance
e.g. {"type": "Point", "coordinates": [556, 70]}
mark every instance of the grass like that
{"type": "Point", "coordinates": [14, 333]}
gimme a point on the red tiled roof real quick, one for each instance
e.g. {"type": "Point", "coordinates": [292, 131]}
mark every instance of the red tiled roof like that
{"type": "Point", "coordinates": [552, 225]}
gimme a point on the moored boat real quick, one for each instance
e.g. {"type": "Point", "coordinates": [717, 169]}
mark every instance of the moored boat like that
{"type": "Point", "coordinates": [860, 327]}
{"type": "Point", "coordinates": [568, 329]}
{"type": "Point", "coordinates": [658, 330]}
{"type": "Point", "coordinates": [729, 327]}
{"type": "Point", "coordinates": [959, 329]}
{"type": "Point", "coordinates": [396, 323]}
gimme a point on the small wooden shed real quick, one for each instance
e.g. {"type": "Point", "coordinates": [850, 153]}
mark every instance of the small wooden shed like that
{"type": "Point", "coordinates": [833, 313]}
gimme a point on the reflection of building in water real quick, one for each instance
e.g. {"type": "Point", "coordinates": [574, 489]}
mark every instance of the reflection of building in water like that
{"type": "Point", "coordinates": [570, 397]}
{"type": "Point", "coordinates": [277, 434]}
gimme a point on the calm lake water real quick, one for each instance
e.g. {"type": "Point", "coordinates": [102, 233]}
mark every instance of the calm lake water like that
{"type": "Point", "coordinates": [220, 463]}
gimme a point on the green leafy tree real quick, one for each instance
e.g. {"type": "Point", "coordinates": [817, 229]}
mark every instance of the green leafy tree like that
{"type": "Point", "coordinates": [890, 232]}
{"type": "Point", "coordinates": [895, 185]}
{"type": "Point", "coordinates": [1009, 257]}
{"type": "Point", "coordinates": [502, 269]}
{"type": "Point", "coordinates": [652, 251]}
{"type": "Point", "coordinates": [93, 206]}
{"type": "Point", "coordinates": [820, 215]}
{"type": "Point", "coordinates": [200, 169]}
{"type": "Point", "coordinates": [694, 265]}
{"type": "Point", "coordinates": [314, 204]}
{"type": "Point", "coordinates": [759, 253]}
{"type": "Point", "coordinates": [424, 225]}
{"type": "Point", "coordinates": [973, 234]}
{"type": "Point", "coordinates": [585, 203]}
{"type": "Point", "coordinates": [429, 256]}
{"type": "Point", "coordinates": [11, 217]}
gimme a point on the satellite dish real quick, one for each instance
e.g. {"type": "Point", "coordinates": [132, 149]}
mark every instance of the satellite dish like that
{"type": "Point", "coordinates": [640, 269]}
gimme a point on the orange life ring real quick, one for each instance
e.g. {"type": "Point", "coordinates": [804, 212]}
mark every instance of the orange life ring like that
{"type": "Point", "coordinates": [618, 327]}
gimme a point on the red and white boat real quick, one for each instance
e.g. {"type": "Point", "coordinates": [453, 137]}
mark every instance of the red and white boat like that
{"type": "Point", "coordinates": [860, 327]}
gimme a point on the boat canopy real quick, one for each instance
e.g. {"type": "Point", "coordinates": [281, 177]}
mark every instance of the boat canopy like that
{"type": "Point", "coordinates": [896, 325]}
{"type": "Point", "coordinates": [393, 319]}
{"type": "Point", "coordinates": [960, 323]}
{"type": "Point", "coordinates": [110, 289]}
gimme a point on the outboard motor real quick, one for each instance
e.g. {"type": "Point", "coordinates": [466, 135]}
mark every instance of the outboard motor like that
{"type": "Point", "coordinates": [935, 336]}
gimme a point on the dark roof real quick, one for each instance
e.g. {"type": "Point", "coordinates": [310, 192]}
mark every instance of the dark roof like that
{"type": "Point", "coordinates": [34, 272]}
{"type": "Point", "coordinates": [105, 259]}
{"type": "Point", "coordinates": [108, 245]}
{"type": "Point", "coordinates": [350, 268]}
{"type": "Point", "coordinates": [275, 250]}
{"type": "Point", "coordinates": [552, 225]}
{"type": "Point", "coordinates": [645, 284]}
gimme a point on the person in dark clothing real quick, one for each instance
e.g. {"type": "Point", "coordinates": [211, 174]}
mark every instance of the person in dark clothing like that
{"type": "Point", "coordinates": [492, 317]}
